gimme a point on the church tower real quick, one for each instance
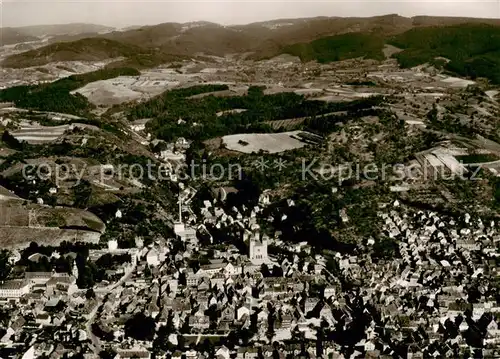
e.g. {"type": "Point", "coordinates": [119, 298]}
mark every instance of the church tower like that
{"type": "Point", "coordinates": [74, 270]}
{"type": "Point", "coordinates": [257, 249]}
{"type": "Point", "coordinates": [179, 226]}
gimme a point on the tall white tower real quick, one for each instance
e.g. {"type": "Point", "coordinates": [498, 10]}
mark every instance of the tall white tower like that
{"type": "Point", "coordinates": [74, 270]}
{"type": "Point", "coordinates": [179, 226]}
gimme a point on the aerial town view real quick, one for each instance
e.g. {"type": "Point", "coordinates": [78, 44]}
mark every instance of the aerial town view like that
{"type": "Point", "coordinates": [212, 180]}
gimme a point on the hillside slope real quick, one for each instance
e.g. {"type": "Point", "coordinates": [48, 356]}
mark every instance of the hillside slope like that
{"type": "Point", "coordinates": [56, 96]}
{"type": "Point", "coordinates": [339, 47]}
{"type": "Point", "coordinates": [15, 35]}
{"type": "Point", "coordinates": [90, 49]}
{"type": "Point", "coordinates": [473, 49]}
{"type": "Point", "coordinates": [309, 38]}
{"type": "Point", "coordinates": [189, 39]}
{"type": "Point", "coordinates": [62, 29]}
{"type": "Point", "coordinates": [10, 36]}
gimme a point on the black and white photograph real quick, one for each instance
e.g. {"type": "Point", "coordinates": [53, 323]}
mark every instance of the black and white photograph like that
{"type": "Point", "coordinates": [241, 179]}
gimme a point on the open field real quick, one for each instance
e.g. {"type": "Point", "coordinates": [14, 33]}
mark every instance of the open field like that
{"type": "Point", "coordinates": [286, 124]}
{"type": "Point", "coordinates": [226, 93]}
{"type": "Point", "coordinates": [347, 94]}
{"type": "Point", "coordinates": [20, 225]}
{"type": "Point", "coordinates": [492, 94]}
{"type": "Point", "coordinates": [36, 134]}
{"type": "Point", "coordinates": [293, 123]}
{"type": "Point", "coordinates": [124, 89]}
{"type": "Point", "coordinates": [151, 83]}
{"type": "Point", "coordinates": [14, 214]}
{"type": "Point", "coordinates": [47, 73]}
{"type": "Point", "coordinates": [268, 142]}
{"type": "Point", "coordinates": [456, 82]}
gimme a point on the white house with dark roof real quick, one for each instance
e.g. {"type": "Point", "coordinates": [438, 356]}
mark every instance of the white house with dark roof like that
{"type": "Point", "coordinates": [14, 289]}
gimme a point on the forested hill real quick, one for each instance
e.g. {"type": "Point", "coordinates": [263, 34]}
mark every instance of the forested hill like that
{"type": "Point", "coordinates": [340, 47]}
{"type": "Point", "coordinates": [56, 96]}
{"type": "Point", "coordinates": [91, 49]}
{"type": "Point", "coordinates": [473, 49]}
{"type": "Point", "coordinates": [9, 36]}
{"type": "Point", "coordinates": [263, 39]}
{"type": "Point", "coordinates": [15, 35]}
{"type": "Point", "coordinates": [201, 122]}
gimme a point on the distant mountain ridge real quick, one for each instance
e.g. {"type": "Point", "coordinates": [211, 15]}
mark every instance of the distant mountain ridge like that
{"type": "Point", "coordinates": [177, 36]}
{"type": "Point", "coordinates": [10, 36]}
{"type": "Point", "coordinates": [13, 35]}
{"type": "Point", "coordinates": [61, 29]}
{"type": "Point", "coordinates": [322, 38]}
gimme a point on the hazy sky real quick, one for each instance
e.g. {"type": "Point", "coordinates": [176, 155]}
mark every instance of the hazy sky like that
{"type": "Point", "coordinates": [125, 13]}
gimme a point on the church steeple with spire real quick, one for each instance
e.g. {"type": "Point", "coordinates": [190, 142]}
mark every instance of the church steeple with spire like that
{"type": "Point", "coordinates": [74, 270]}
